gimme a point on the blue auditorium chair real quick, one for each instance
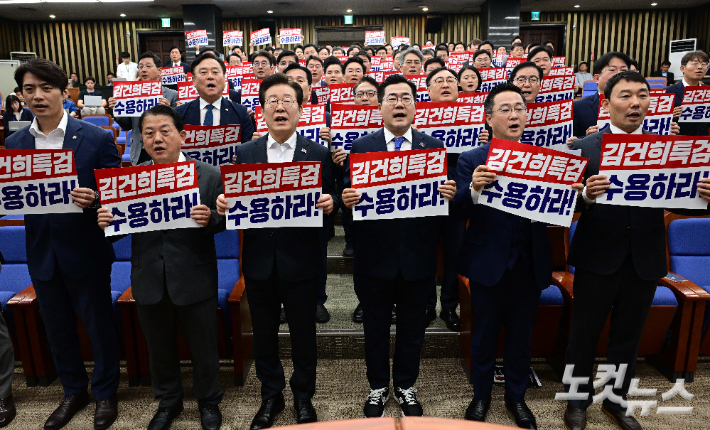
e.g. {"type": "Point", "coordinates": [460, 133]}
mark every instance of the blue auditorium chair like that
{"type": "Point", "coordinates": [126, 157]}
{"type": "Point", "coordinates": [98, 120]}
{"type": "Point", "coordinates": [589, 88]}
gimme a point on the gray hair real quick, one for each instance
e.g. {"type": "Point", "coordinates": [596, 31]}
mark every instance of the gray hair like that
{"type": "Point", "coordinates": [408, 51]}
{"type": "Point", "coordinates": [428, 51]}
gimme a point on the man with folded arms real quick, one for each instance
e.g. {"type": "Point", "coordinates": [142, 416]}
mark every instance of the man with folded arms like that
{"type": "Point", "coordinates": [281, 265]}
{"type": "Point", "coordinates": [174, 280]}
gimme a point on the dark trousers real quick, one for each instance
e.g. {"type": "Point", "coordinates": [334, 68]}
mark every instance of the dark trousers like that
{"type": "Point", "coordinates": [452, 234]}
{"type": "Point", "coordinates": [60, 300]}
{"type": "Point", "coordinates": [299, 302]}
{"type": "Point", "coordinates": [629, 299]}
{"type": "Point", "coordinates": [7, 360]}
{"type": "Point", "coordinates": [198, 325]}
{"type": "Point", "coordinates": [377, 297]}
{"type": "Point", "coordinates": [323, 232]}
{"type": "Point", "coordinates": [511, 302]}
{"type": "Point", "coordinates": [347, 217]}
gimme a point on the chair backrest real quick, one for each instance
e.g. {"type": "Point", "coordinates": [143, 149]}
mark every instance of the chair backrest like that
{"type": "Point", "coordinates": [656, 86]}
{"type": "Point", "coordinates": [572, 228]}
{"type": "Point", "coordinates": [121, 269]}
{"type": "Point", "coordinates": [15, 276]}
{"type": "Point", "coordinates": [128, 138]}
{"type": "Point", "coordinates": [656, 80]}
{"type": "Point", "coordinates": [589, 88]}
{"type": "Point", "coordinates": [100, 120]}
{"type": "Point", "coordinates": [227, 246]}
{"type": "Point", "coordinates": [689, 248]}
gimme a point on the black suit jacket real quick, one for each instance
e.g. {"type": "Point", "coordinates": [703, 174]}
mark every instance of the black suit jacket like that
{"type": "Point", "coordinates": [585, 114]}
{"type": "Point", "coordinates": [183, 259]}
{"type": "Point", "coordinates": [296, 251]}
{"type": "Point", "coordinates": [687, 128]}
{"type": "Point", "coordinates": [383, 248]}
{"type": "Point", "coordinates": [670, 78]}
{"type": "Point", "coordinates": [8, 116]}
{"type": "Point", "coordinates": [606, 233]}
{"type": "Point", "coordinates": [231, 113]}
{"type": "Point", "coordinates": [185, 67]}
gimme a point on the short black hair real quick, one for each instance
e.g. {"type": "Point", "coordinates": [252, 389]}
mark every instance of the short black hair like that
{"type": "Point", "coordinates": [365, 54]}
{"type": "Point", "coordinates": [279, 79]}
{"type": "Point", "coordinates": [337, 48]}
{"type": "Point", "coordinates": [46, 70]}
{"type": "Point", "coordinates": [694, 55]}
{"type": "Point", "coordinates": [516, 44]}
{"type": "Point", "coordinates": [111, 73]}
{"type": "Point", "coordinates": [17, 90]}
{"type": "Point", "coordinates": [175, 47]}
{"type": "Point", "coordinates": [605, 59]}
{"type": "Point", "coordinates": [532, 45]}
{"type": "Point", "coordinates": [162, 110]}
{"type": "Point", "coordinates": [481, 52]}
{"type": "Point", "coordinates": [549, 41]}
{"type": "Point", "coordinates": [332, 61]}
{"type": "Point", "coordinates": [635, 64]}
{"type": "Point", "coordinates": [367, 80]}
{"type": "Point", "coordinates": [470, 67]}
{"type": "Point", "coordinates": [666, 63]}
{"type": "Point", "coordinates": [392, 80]}
{"type": "Point", "coordinates": [125, 54]}
{"type": "Point", "coordinates": [539, 49]}
{"type": "Point", "coordinates": [322, 48]}
{"type": "Point", "coordinates": [627, 76]}
{"type": "Point", "coordinates": [89, 78]}
{"type": "Point", "coordinates": [229, 57]}
{"type": "Point", "coordinates": [298, 46]}
{"type": "Point", "coordinates": [209, 55]}
{"type": "Point", "coordinates": [516, 37]}
{"type": "Point", "coordinates": [314, 58]}
{"type": "Point", "coordinates": [381, 48]}
{"type": "Point", "coordinates": [297, 66]}
{"type": "Point", "coordinates": [487, 42]}
{"type": "Point", "coordinates": [433, 60]}
{"type": "Point", "coordinates": [353, 60]}
{"type": "Point", "coordinates": [149, 54]}
{"type": "Point", "coordinates": [442, 48]}
{"type": "Point", "coordinates": [267, 55]}
{"type": "Point", "coordinates": [525, 65]}
{"type": "Point", "coordinates": [308, 45]}
{"type": "Point", "coordinates": [500, 88]}
{"type": "Point", "coordinates": [580, 64]}
{"type": "Point", "coordinates": [286, 53]}
{"type": "Point", "coordinates": [459, 43]}
{"type": "Point", "coordinates": [434, 72]}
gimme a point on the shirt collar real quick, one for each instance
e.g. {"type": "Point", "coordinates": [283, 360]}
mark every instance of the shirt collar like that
{"type": "Point", "coordinates": [181, 158]}
{"type": "Point", "coordinates": [616, 130]}
{"type": "Point", "coordinates": [686, 84]}
{"type": "Point", "coordinates": [289, 144]}
{"type": "Point", "coordinates": [389, 135]}
{"type": "Point", "coordinates": [34, 128]}
{"type": "Point", "coordinates": [217, 104]}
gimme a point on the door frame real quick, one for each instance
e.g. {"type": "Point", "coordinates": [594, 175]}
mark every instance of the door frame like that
{"type": "Point", "coordinates": [142, 33]}
{"type": "Point", "coordinates": [557, 24]}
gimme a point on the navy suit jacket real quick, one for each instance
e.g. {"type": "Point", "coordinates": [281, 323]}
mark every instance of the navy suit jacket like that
{"type": "Point", "coordinates": [231, 113]}
{"type": "Point", "coordinates": [295, 251]}
{"type": "Point", "coordinates": [687, 128]}
{"type": "Point", "coordinates": [185, 67]}
{"type": "Point", "coordinates": [585, 114]}
{"type": "Point", "coordinates": [73, 242]}
{"type": "Point", "coordinates": [383, 248]}
{"type": "Point", "coordinates": [670, 78]}
{"type": "Point", "coordinates": [9, 116]}
{"type": "Point", "coordinates": [488, 239]}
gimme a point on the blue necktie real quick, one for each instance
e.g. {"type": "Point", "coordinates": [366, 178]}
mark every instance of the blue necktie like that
{"type": "Point", "coordinates": [208, 115]}
{"type": "Point", "coordinates": [398, 143]}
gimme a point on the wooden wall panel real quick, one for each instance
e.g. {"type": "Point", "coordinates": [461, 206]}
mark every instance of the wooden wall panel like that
{"type": "Point", "coordinates": [9, 38]}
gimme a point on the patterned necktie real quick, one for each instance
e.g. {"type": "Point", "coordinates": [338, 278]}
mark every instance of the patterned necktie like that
{"type": "Point", "coordinates": [208, 115]}
{"type": "Point", "coordinates": [398, 143]}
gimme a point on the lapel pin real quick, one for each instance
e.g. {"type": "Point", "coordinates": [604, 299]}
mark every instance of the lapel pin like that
{"type": "Point", "coordinates": [421, 144]}
{"type": "Point", "coordinates": [303, 150]}
{"type": "Point", "coordinates": [226, 110]}
{"type": "Point", "coordinates": [74, 137]}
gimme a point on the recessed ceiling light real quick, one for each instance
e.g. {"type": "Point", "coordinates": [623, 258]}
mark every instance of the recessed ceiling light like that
{"type": "Point", "coordinates": [52, 16]}
{"type": "Point", "coordinates": [123, 15]}
{"type": "Point", "coordinates": [349, 10]}
{"type": "Point", "coordinates": [269, 11]}
{"type": "Point", "coordinates": [576, 5]}
{"type": "Point", "coordinates": [396, 8]}
{"type": "Point", "coordinates": [425, 9]}
{"type": "Point", "coordinates": [654, 4]}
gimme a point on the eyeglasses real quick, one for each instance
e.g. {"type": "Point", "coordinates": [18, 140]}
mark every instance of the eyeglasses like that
{"type": "Point", "coordinates": [697, 63]}
{"type": "Point", "coordinates": [261, 64]}
{"type": "Point", "coordinates": [506, 110]}
{"type": "Point", "coordinates": [353, 71]}
{"type": "Point", "coordinates": [273, 102]}
{"type": "Point", "coordinates": [315, 66]}
{"type": "Point", "coordinates": [521, 80]}
{"type": "Point", "coordinates": [369, 94]}
{"type": "Point", "coordinates": [392, 99]}
{"type": "Point", "coordinates": [449, 80]}
{"type": "Point", "coordinates": [614, 69]}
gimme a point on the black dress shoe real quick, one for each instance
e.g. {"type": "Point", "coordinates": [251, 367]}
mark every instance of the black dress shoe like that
{"type": "Point", "coordinates": [66, 411]}
{"type": "Point", "coordinates": [452, 320]}
{"type": "Point", "coordinates": [304, 411]}
{"type": "Point", "coordinates": [621, 420]}
{"type": "Point", "coordinates": [164, 417]}
{"type": "Point", "coordinates": [348, 250]}
{"type": "Point", "coordinates": [478, 409]}
{"type": "Point", "coordinates": [575, 418]}
{"type": "Point", "coordinates": [393, 320]}
{"type": "Point", "coordinates": [523, 416]}
{"type": "Point", "coordinates": [210, 416]}
{"type": "Point", "coordinates": [430, 316]}
{"type": "Point", "coordinates": [357, 314]}
{"type": "Point", "coordinates": [106, 413]}
{"type": "Point", "coordinates": [282, 317]}
{"type": "Point", "coordinates": [322, 314]}
{"type": "Point", "coordinates": [266, 414]}
{"type": "Point", "coordinates": [7, 410]}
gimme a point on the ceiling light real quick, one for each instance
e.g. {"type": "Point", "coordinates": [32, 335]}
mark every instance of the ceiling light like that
{"type": "Point", "coordinates": [654, 4]}
{"type": "Point", "coordinates": [269, 11]}
{"type": "Point", "coordinates": [396, 8]}
{"type": "Point", "coordinates": [425, 8]}
{"type": "Point", "coordinates": [349, 10]}
{"type": "Point", "coordinates": [576, 5]}
{"type": "Point", "coordinates": [52, 16]}
{"type": "Point", "coordinates": [123, 15]}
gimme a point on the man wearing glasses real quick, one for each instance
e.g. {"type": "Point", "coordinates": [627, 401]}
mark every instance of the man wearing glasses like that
{"type": "Point", "coordinates": [394, 260]}
{"type": "Point", "coordinates": [528, 77]}
{"type": "Point", "coordinates": [410, 62]}
{"type": "Point", "coordinates": [586, 111]}
{"type": "Point", "coordinates": [281, 265]}
{"type": "Point", "coordinates": [694, 66]}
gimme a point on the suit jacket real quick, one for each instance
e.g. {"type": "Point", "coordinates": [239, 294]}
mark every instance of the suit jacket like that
{"type": "Point", "coordinates": [488, 239]}
{"type": "Point", "coordinates": [232, 113]}
{"type": "Point", "coordinates": [9, 116]}
{"type": "Point", "coordinates": [132, 124]}
{"type": "Point", "coordinates": [296, 251]}
{"type": "Point", "coordinates": [182, 259]}
{"type": "Point", "coordinates": [185, 67]}
{"type": "Point", "coordinates": [670, 78]}
{"type": "Point", "coordinates": [585, 114]}
{"type": "Point", "coordinates": [383, 248]}
{"type": "Point", "coordinates": [606, 233]}
{"type": "Point", "coordinates": [72, 241]}
{"type": "Point", "coordinates": [687, 128]}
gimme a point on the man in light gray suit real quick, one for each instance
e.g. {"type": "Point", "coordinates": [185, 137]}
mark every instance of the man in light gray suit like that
{"type": "Point", "coordinates": [148, 70]}
{"type": "Point", "coordinates": [174, 279]}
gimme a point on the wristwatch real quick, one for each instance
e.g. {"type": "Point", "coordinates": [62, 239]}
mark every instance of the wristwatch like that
{"type": "Point", "coordinates": [97, 203]}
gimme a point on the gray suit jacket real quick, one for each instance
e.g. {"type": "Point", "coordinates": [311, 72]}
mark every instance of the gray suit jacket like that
{"type": "Point", "coordinates": [132, 124]}
{"type": "Point", "coordinates": [183, 259]}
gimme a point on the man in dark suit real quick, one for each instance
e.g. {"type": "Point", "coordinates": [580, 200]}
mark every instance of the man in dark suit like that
{"type": "Point", "coordinates": [586, 111]}
{"type": "Point", "coordinates": [263, 65]}
{"type": "Point", "coordinates": [174, 279]}
{"type": "Point", "coordinates": [664, 73]}
{"type": "Point", "coordinates": [68, 257]}
{"type": "Point", "coordinates": [694, 66]}
{"type": "Point", "coordinates": [176, 60]}
{"type": "Point", "coordinates": [508, 261]}
{"type": "Point", "coordinates": [149, 66]}
{"type": "Point", "coordinates": [8, 411]}
{"type": "Point", "coordinates": [619, 254]}
{"type": "Point", "coordinates": [394, 261]}
{"type": "Point", "coordinates": [211, 108]}
{"type": "Point", "coordinates": [281, 265]}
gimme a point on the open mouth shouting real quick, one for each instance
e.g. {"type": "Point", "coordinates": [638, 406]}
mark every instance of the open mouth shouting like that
{"type": "Point", "coordinates": [280, 119]}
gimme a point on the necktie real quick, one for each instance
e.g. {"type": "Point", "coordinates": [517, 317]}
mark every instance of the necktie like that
{"type": "Point", "coordinates": [398, 143]}
{"type": "Point", "coordinates": [208, 115]}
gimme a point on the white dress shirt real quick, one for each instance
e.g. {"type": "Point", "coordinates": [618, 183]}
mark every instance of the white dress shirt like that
{"type": "Point", "coordinates": [55, 138]}
{"type": "Point", "coordinates": [281, 152]}
{"type": "Point", "coordinates": [215, 112]}
{"type": "Point", "coordinates": [130, 71]}
{"type": "Point", "coordinates": [181, 158]}
{"type": "Point", "coordinates": [686, 84]}
{"type": "Point", "coordinates": [406, 145]}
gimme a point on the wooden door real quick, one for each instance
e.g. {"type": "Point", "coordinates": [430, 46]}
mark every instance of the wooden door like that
{"type": "Point", "coordinates": [543, 33]}
{"type": "Point", "coordinates": [160, 44]}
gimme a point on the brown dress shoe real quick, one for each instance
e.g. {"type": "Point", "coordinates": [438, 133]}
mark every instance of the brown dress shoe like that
{"type": "Point", "coordinates": [575, 418]}
{"type": "Point", "coordinates": [66, 411]}
{"type": "Point", "coordinates": [106, 413]}
{"type": "Point", "coordinates": [7, 410]}
{"type": "Point", "coordinates": [621, 420]}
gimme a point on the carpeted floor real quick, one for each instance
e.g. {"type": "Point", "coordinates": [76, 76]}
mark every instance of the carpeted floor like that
{"type": "Point", "coordinates": [342, 388]}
